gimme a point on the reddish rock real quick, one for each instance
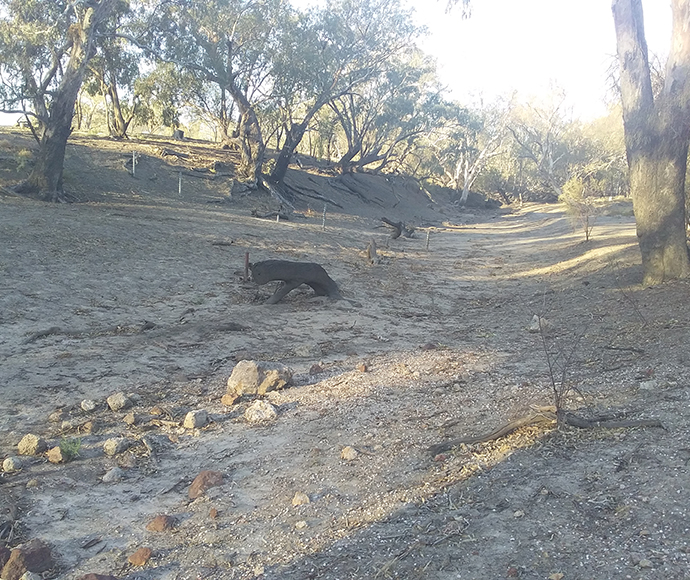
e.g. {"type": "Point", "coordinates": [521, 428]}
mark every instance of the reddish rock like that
{"type": "Point", "coordinates": [213, 513]}
{"type": "Point", "coordinates": [98, 577]}
{"type": "Point", "coordinates": [362, 367]}
{"type": "Point", "coordinates": [205, 480]}
{"type": "Point", "coordinates": [161, 523]}
{"type": "Point", "coordinates": [33, 556]}
{"type": "Point", "coordinates": [140, 557]}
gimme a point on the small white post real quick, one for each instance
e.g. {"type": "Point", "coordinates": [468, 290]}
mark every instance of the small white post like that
{"type": "Point", "coordinates": [134, 163]}
{"type": "Point", "coordinates": [323, 222]}
{"type": "Point", "coordinates": [179, 184]}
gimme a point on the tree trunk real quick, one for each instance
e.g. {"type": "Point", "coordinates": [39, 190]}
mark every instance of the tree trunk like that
{"type": "Point", "coordinates": [345, 162]}
{"type": "Point", "coordinates": [45, 180]}
{"type": "Point", "coordinates": [656, 139]}
{"type": "Point", "coordinates": [293, 136]}
{"type": "Point", "coordinates": [120, 124]}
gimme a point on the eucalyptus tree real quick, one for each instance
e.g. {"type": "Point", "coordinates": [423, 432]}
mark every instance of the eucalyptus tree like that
{"type": "Point", "coordinates": [328, 53]}
{"type": "Point", "coordinates": [466, 143]}
{"type": "Point", "coordinates": [45, 49]}
{"type": "Point", "coordinates": [113, 72]}
{"type": "Point", "coordinates": [384, 119]}
{"type": "Point", "coordinates": [226, 45]}
{"type": "Point", "coordinates": [657, 134]}
{"type": "Point", "coordinates": [539, 133]}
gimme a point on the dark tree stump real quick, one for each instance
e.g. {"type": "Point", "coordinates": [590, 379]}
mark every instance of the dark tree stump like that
{"type": "Point", "coordinates": [294, 274]}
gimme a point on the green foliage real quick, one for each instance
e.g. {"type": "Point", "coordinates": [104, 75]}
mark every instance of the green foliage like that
{"type": "Point", "coordinates": [70, 448]}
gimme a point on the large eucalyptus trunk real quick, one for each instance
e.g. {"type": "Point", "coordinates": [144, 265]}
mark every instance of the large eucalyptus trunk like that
{"type": "Point", "coordinates": [45, 180]}
{"type": "Point", "coordinates": [657, 133]}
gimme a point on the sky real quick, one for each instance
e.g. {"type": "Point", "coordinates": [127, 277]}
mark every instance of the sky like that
{"type": "Point", "coordinates": [532, 47]}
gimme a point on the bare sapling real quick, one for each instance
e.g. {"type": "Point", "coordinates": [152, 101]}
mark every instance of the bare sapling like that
{"type": "Point", "coordinates": [579, 206]}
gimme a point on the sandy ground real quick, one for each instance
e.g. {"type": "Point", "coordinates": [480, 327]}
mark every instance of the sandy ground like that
{"type": "Point", "coordinates": [130, 291]}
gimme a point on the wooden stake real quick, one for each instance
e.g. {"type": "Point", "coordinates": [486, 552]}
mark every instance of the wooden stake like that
{"type": "Point", "coordinates": [428, 236]}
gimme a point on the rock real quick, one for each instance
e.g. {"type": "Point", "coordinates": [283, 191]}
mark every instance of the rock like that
{"type": "Point", "coordinates": [429, 346]}
{"type": "Point", "coordinates": [31, 445]}
{"type": "Point", "coordinates": [315, 369]}
{"type": "Point", "coordinates": [33, 556]}
{"type": "Point", "coordinates": [4, 556]}
{"type": "Point", "coordinates": [644, 563]}
{"type": "Point", "coordinates": [195, 419]}
{"type": "Point", "coordinates": [88, 405]}
{"type": "Point", "coordinates": [89, 427]}
{"type": "Point", "coordinates": [260, 411]}
{"type": "Point", "coordinates": [349, 453]}
{"type": "Point", "coordinates": [652, 385]}
{"type": "Point", "coordinates": [130, 418]}
{"type": "Point", "coordinates": [300, 499]}
{"type": "Point", "coordinates": [113, 475]}
{"type": "Point", "coordinates": [362, 367]}
{"type": "Point", "coordinates": [55, 455]}
{"type": "Point", "coordinates": [115, 445]}
{"type": "Point", "coordinates": [32, 483]}
{"type": "Point", "coordinates": [301, 525]}
{"type": "Point", "coordinates": [12, 464]}
{"type": "Point", "coordinates": [258, 377]}
{"type": "Point", "coordinates": [538, 324]}
{"type": "Point", "coordinates": [58, 416]}
{"type": "Point", "coordinates": [205, 480]}
{"type": "Point", "coordinates": [98, 577]}
{"type": "Point", "coordinates": [161, 523]}
{"type": "Point", "coordinates": [229, 400]}
{"type": "Point", "coordinates": [31, 576]}
{"type": "Point", "coordinates": [118, 401]}
{"type": "Point", "coordinates": [140, 557]}
{"type": "Point", "coordinates": [213, 513]}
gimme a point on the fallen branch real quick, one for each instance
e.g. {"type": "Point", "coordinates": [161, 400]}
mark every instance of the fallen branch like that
{"type": "Point", "coordinates": [547, 416]}
{"type": "Point", "coordinates": [270, 215]}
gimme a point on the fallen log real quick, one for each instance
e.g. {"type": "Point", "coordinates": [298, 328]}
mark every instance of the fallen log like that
{"type": "Point", "coordinates": [271, 215]}
{"type": "Point", "coordinates": [399, 229]}
{"type": "Point", "coordinates": [294, 274]}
